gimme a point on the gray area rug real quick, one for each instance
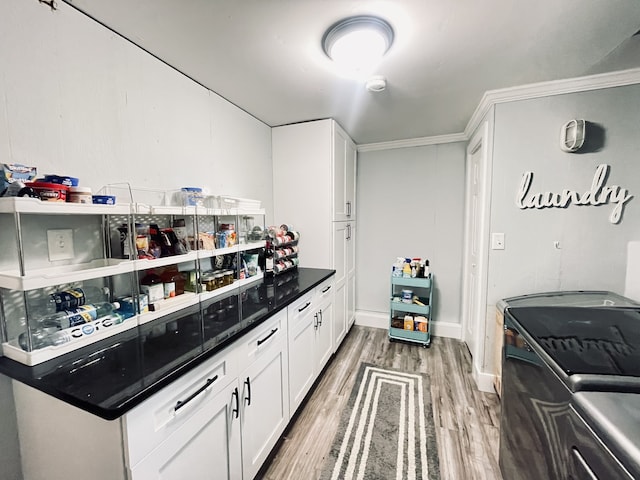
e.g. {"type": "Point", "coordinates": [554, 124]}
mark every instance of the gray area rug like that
{"type": "Point", "coordinates": [387, 430]}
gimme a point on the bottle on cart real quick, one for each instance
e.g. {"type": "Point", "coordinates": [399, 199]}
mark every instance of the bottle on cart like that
{"type": "Point", "coordinates": [76, 297]}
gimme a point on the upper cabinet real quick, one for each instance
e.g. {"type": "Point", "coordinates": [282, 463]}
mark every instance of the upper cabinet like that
{"type": "Point", "coordinates": [344, 176]}
{"type": "Point", "coordinates": [314, 165]}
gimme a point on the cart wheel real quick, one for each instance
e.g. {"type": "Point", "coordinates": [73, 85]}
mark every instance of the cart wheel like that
{"type": "Point", "coordinates": [391, 339]}
{"type": "Point", "coordinates": [424, 345]}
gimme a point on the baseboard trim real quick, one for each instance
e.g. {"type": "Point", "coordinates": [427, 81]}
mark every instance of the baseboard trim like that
{"type": "Point", "coordinates": [484, 381]}
{"type": "Point", "coordinates": [367, 318]}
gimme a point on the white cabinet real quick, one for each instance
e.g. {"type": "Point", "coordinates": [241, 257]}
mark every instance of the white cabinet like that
{"type": "Point", "coordinates": [314, 166]}
{"type": "Point", "coordinates": [344, 168]}
{"type": "Point", "coordinates": [344, 257]}
{"type": "Point", "coordinates": [206, 447]}
{"type": "Point", "coordinates": [301, 340]}
{"type": "Point", "coordinates": [310, 340]}
{"type": "Point", "coordinates": [263, 384]}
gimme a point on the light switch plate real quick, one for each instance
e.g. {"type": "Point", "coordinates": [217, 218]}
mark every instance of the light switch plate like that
{"type": "Point", "coordinates": [497, 241]}
{"type": "Point", "coordinates": [60, 243]}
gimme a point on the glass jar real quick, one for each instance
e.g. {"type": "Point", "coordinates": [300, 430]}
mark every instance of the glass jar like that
{"type": "Point", "coordinates": [228, 277]}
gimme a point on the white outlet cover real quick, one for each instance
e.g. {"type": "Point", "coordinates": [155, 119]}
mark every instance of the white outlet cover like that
{"type": "Point", "coordinates": [60, 243]}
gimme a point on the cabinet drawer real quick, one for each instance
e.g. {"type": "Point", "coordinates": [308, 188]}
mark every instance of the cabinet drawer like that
{"type": "Point", "coordinates": [258, 343]}
{"type": "Point", "coordinates": [160, 416]}
{"type": "Point", "coordinates": [301, 307]}
{"type": "Point", "coordinates": [324, 290]}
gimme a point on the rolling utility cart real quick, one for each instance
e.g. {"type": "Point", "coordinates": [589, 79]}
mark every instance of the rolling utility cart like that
{"type": "Point", "coordinates": [411, 309]}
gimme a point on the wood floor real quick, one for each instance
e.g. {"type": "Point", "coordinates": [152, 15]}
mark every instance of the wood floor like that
{"type": "Point", "coordinates": [467, 421]}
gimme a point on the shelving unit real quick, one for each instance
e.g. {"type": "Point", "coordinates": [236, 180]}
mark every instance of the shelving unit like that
{"type": "Point", "coordinates": [98, 257]}
{"type": "Point", "coordinates": [423, 289]}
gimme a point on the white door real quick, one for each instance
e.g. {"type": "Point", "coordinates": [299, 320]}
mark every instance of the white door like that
{"type": "Point", "coordinates": [323, 347]}
{"type": "Point", "coordinates": [264, 404]}
{"type": "Point", "coordinates": [207, 446]}
{"type": "Point", "coordinates": [473, 312]}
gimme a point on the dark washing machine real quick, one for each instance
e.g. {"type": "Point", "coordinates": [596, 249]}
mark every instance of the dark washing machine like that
{"type": "Point", "coordinates": [606, 436]}
{"type": "Point", "coordinates": [557, 345]}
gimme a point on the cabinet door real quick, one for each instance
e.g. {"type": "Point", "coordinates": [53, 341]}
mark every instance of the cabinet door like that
{"type": "Point", "coordinates": [206, 447]}
{"type": "Point", "coordinates": [340, 205]}
{"type": "Point", "coordinates": [265, 407]}
{"type": "Point", "coordinates": [350, 249]}
{"type": "Point", "coordinates": [350, 179]}
{"type": "Point", "coordinates": [340, 250]}
{"type": "Point", "coordinates": [323, 347]}
{"type": "Point", "coordinates": [303, 323]}
{"type": "Point", "coordinates": [339, 328]}
{"type": "Point", "coordinates": [351, 301]}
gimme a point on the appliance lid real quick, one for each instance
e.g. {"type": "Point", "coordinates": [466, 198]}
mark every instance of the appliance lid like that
{"type": "Point", "coordinates": [596, 340]}
{"type": "Point", "coordinates": [569, 298]}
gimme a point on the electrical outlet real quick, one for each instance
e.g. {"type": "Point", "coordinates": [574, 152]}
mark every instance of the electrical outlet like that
{"type": "Point", "coordinates": [60, 244]}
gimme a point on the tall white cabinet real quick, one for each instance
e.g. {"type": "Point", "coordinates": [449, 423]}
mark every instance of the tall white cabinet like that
{"type": "Point", "coordinates": [314, 172]}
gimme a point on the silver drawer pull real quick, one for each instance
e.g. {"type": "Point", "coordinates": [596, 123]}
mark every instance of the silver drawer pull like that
{"type": "Point", "coordinates": [326, 289]}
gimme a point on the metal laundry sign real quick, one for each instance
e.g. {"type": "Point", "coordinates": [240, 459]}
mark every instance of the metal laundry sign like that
{"type": "Point", "coordinates": [598, 194]}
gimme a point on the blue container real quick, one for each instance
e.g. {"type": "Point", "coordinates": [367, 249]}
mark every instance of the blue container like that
{"type": "Point", "coordinates": [104, 199]}
{"type": "Point", "coordinates": [62, 180]}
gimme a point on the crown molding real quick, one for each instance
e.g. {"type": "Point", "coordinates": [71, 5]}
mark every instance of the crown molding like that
{"type": "Point", "coordinates": [547, 89]}
{"type": "Point", "coordinates": [413, 142]}
{"type": "Point", "coordinates": [512, 94]}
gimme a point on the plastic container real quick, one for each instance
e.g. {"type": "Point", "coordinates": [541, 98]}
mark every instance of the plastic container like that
{"type": "Point", "coordinates": [80, 195]}
{"type": "Point", "coordinates": [50, 192]}
{"type": "Point", "coordinates": [407, 296]}
{"type": "Point", "coordinates": [104, 199]}
{"type": "Point", "coordinates": [192, 196]}
{"type": "Point", "coordinates": [61, 180]}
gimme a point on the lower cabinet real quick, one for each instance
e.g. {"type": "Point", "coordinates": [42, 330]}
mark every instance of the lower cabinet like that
{"type": "Point", "coordinates": [264, 403]}
{"type": "Point", "coordinates": [219, 421]}
{"type": "Point", "coordinates": [208, 445]}
{"type": "Point", "coordinates": [310, 340]}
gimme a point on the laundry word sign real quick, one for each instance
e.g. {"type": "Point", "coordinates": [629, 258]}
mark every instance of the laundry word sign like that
{"type": "Point", "coordinates": [598, 194]}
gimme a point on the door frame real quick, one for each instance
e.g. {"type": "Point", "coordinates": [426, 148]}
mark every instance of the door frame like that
{"type": "Point", "coordinates": [478, 312]}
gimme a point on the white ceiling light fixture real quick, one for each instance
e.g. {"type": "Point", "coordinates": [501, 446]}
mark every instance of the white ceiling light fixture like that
{"type": "Point", "coordinates": [358, 43]}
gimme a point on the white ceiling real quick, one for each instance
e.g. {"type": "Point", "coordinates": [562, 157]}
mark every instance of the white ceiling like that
{"type": "Point", "coordinates": [265, 55]}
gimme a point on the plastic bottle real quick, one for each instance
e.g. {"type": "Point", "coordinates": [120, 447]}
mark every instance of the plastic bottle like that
{"type": "Point", "coordinates": [426, 269]}
{"type": "Point", "coordinates": [77, 316]}
{"type": "Point", "coordinates": [406, 270]}
{"type": "Point", "coordinates": [55, 329]}
{"type": "Point", "coordinates": [76, 297]}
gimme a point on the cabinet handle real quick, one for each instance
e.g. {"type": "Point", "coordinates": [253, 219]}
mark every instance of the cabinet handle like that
{"type": "Point", "coordinates": [326, 289]}
{"type": "Point", "coordinates": [348, 209]}
{"type": "Point", "coordinates": [262, 340]}
{"type": "Point", "coordinates": [315, 321]}
{"type": "Point", "coordinates": [247, 382]}
{"type": "Point", "coordinates": [236, 395]}
{"type": "Point", "coordinates": [320, 321]}
{"type": "Point", "coordinates": [348, 231]}
{"type": "Point", "coordinates": [303, 308]}
{"type": "Point", "coordinates": [182, 403]}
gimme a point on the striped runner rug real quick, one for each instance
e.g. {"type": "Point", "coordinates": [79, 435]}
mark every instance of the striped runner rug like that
{"type": "Point", "coordinates": [386, 431]}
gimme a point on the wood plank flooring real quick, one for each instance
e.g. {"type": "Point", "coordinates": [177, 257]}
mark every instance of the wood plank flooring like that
{"type": "Point", "coordinates": [467, 420]}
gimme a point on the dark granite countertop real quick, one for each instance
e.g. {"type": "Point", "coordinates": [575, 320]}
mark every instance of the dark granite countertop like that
{"type": "Point", "coordinates": [110, 377]}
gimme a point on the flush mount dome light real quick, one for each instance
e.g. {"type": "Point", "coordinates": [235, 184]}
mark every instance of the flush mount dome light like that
{"type": "Point", "coordinates": [358, 42]}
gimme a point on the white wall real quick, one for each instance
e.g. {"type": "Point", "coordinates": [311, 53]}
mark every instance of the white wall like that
{"type": "Point", "coordinates": [593, 251]}
{"type": "Point", "coordinates": [78, 100]}
{"type": "Point", "coordinates": [410, 204]}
